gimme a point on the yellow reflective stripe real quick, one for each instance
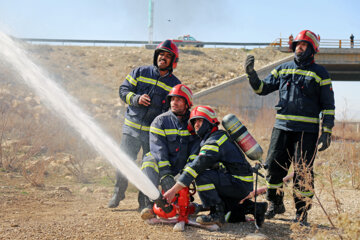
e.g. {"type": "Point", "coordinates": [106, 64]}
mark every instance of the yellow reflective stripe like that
{"type": "Point", "coordinates": [328, 112]}
{"type": "Point", "coordinates": [135, 125]}
{"type": "Point", "coordinates": [145, 128]}
{"type": "Point", "coordinates": [205, 187]}
{"type": "Point", "coordinates": [260, 88]}
{"type": "Point", "coordinates": [301, 72]}
{"type": "Point", "coordinates": [191, 157]}
{"type": "Point", "coordinates": [149, 154]}
{"type": "Point", "coordinates": [221, 140]}
{"type": "Point", "coordinates": [191, 171]}
{"type": "Point", "coordinates": [325, 82]}
{"type": "Point", "coordinates": [131, 80]}
{"type": "Point", "coordinates": [275, 73]}
{"type": "Point", "coordinates": [244, 178]}
{"type": "Point", "coordinates": [131, 124]}
{"type": "Point", "coordinates": [221, 165]}
{"type": "Point", "coordinates": [328, 130]}
{"type": "Point", "coordinates": [304, 194]}
{"type": "Point", "coordinates": [157, 131]}
{"type": "Point", "coordinates": [207, 112]}
{"type": "Point", "coordinates": [164, 163]}
{"type": "Point", "coordinates": [164, 86]}
{"type": "Point", "coordinates": [171, 131]}
{"type": "Point", "coordinates": [150, 165]}
{"type": "Point", "coordinates": [273, 186]}
{"type": "Point", "coordinates": [184, 133]}
{"type": "Point", "coordinates": [297, 118]}
{"type": "Point", "coordinates": [128, 97]}
{"type": "Point", "coordinates": [210, 147]}
{"type": "Point", "coordinates": [154, 82]}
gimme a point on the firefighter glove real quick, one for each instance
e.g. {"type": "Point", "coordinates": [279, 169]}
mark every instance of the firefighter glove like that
{"type": "Point", "coordinates": [167, 182]}
{"type": "Point", "coordinates": [324, 141]}
{"type": "Point", "coordinates": [249, 64]}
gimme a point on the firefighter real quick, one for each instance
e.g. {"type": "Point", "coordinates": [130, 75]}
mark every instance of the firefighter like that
{"type": "Point", "coordinates": [144, 90]}
{"type": "Point", "coordinates": [220, 170]}
{"type": "Point", "coordinates": [305, 91]}
{"type": "Point", "coordinates": [171, 144]}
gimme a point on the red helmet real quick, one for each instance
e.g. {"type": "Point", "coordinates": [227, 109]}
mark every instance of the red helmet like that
{"type": "Point", "coordinates": [183, 91]}
{"type": "Point", "coordinates": [170, 47]}
{"type": "Point", "coordinates": [206, 113]}
{"type": "Point", "coordinates": [307, 36]}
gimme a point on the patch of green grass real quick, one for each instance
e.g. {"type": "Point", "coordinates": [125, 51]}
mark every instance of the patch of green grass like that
{"type": "Point", "coordinates": [104, 181]}
{"type": "Point", "coordinates": [24, 192]}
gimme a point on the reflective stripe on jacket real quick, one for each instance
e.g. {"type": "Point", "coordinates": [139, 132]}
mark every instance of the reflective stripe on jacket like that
{"type": "Point", "coordinates": [303, 95]}
{"type": "Point", "coordinates": [144, 80]}
{"type": "Point", "coordinates": [218, 150]}
{"type": "Point", "coordinates": [171, 143]}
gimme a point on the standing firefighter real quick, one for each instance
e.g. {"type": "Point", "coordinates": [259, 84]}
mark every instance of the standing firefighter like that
{"type": "Point", "coordinates": [305, 91]}
{"type": "Point", "coordinates": [170, 144]}
{"type": "Point", "coordinates": [144, 90]}
{"type": "Point", "coordinates": [223, 176]}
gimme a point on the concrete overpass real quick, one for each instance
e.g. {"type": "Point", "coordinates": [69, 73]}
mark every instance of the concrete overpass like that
{"type": "Point", "coordinates": [339, 56]}
{"type": "Point", "coordinates": [236, 95]}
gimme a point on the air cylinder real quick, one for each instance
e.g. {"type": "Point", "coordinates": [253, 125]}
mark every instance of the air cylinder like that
{"type": "Point", "coordinates": [241, 136]}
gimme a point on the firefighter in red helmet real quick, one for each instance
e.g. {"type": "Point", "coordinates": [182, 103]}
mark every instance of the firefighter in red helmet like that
{"type": "Point", "coordinates": [306, 99]}
{"type": "Point", "coordinates": [223, 176]}
{"type": "Point", "coordinates": [144, 90]}
{"type": "Point", "coordinates": [171, 144]}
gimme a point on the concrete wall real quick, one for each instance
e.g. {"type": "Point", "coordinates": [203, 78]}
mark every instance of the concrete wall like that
{"type": "Point", "coordinates": [238, 96]}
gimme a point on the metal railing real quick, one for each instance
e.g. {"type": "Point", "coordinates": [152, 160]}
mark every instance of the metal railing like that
{"type": "Point", "coordinates": [324, 43]}
{"type": "Point", "coordinates": [125, 42]}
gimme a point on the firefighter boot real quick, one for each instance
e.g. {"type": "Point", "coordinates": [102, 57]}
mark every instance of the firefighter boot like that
{"type": "Point", "coordinates": [119, 190]}
{"type": "Point", "coordinates": [216, 216]}
{"type": "Point", "coordinates": [301, 218]}
{"type": "Point", "coordinates": [275, 208]}
{"type": "Point", "coordinates": [147, 211]}
{"type": "Point", "coordinates": [261, 208]}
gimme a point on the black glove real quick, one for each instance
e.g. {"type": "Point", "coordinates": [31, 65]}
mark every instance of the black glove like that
{"type": "Point", "coordinates": [167, 182]}
{"type": "Point", "coordinates": [325, 140]}
{"type": "Point", "coordinates": [249, 64]}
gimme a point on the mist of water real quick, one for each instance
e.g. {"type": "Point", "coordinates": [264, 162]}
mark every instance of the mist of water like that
{"type": "Point", "coordinates": [65, 106]}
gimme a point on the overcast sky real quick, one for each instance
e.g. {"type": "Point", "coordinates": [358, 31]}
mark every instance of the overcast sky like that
{"type": "Point", "coordinates": [206, 20]}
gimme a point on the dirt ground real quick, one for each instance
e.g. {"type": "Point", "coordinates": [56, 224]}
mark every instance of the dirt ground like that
{"type": "Point", "coordinates": [64, 209]}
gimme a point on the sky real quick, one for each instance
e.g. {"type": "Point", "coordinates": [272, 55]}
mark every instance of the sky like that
{"type": "Point", "coordinates": [206, 20]}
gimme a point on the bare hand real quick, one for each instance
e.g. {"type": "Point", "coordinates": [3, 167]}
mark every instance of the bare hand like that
{"type": "Point", "coordinates": [144, 100]}
{"type": "Point", "coordinates": [170, 194]}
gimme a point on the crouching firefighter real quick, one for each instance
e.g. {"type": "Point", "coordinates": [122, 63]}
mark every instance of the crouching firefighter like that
{"type": "Point", "coordinates": [170, 144]}
{"type": "Point", "coordinates": [221, 173]}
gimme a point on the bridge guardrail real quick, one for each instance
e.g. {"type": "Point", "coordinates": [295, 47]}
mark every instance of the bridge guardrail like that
{"type": "Point", "coordinates": [324, 43]}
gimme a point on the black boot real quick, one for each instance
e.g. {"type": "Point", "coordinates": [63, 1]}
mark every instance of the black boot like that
{"type": "Point", "coordinates": [119, 190]}
{"type": "Point", "coordinates": [261, 208]}
{"type": "Point", "coordinates": [216, 216]}
{"type": "Point", "coordinates": [146, 212]}
{"type": "Point", "coordinates": [301, 218]}
{"type": "Point", "coordinates": [274, 208]}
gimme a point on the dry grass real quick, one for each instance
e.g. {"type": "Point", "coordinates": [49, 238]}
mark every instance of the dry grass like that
{"type": "Point", "coordinates": [33, 140]}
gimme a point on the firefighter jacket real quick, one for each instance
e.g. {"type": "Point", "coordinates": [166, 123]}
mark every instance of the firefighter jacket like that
{"type": "Point", "coordinates": [171, 144]}
{"type": "Point", "coordinates": [304, 93]}
{"type": "Point", "coordinates": [218, 151]}
{"type": "Point", "coordinates": [144, 80]}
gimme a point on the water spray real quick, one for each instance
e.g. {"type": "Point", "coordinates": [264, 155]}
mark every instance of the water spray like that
{"type": "Point", "coordinates": [65, 106]}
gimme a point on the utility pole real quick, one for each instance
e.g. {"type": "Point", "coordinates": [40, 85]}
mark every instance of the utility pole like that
{"type": "Point", "coordinates": [151, 20]}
